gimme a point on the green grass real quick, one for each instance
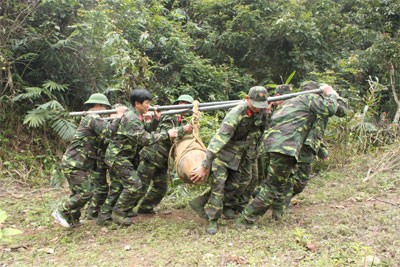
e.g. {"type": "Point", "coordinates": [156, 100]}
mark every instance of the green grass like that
{"type": "Point", "coordinates": [338, 222]}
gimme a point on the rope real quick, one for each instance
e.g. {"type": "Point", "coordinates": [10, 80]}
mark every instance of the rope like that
{"type": "Point", "coordinates": [195, 122]}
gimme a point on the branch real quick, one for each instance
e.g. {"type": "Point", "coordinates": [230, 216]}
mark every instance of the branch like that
{"type": "Point", "coordinates": [396, 99]}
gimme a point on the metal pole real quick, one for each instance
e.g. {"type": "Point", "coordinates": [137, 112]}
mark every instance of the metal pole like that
{"type": "Point", "coordinates": [176, 109]}
{"type": "Point", "coordinates": [189, 106]}
{"type": "Point", "coordinates": [233, 104]}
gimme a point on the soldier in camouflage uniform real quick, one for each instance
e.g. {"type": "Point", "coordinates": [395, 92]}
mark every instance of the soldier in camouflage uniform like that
{"type": "Point", "coordinates": [120, 155]}
{"type": "Point", "coordinates": [80, 158]}
{"type": "Point", "coordinates": [98, 177]}
{"type": "Point", "coordinates": [313, 147]}
{"type": "Point", "coordinates": [225, 153]}
{"type": "Point", "coordinates": [258, 155]}
{"type": "Point", "coordinates": [153, 164]}
{"type": "Point", "coordinates": [284, 139]}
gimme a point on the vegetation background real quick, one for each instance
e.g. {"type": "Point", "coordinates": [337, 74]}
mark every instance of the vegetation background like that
{"type": "Point", "coordinates": [55, 53]}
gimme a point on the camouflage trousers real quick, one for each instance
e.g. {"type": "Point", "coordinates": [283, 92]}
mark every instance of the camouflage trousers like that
{"type": "Point", "coordinates": [224, 183]}
{"type": "Point", "coordinates": [249, 179]}
{"type": "Point", "coordinates": [158, 178]}
{"type": "Point", "coordinates": [114, 192]}
{"type": "Point", "coordinates": [81, 192]}
{"type": "Point", "coordinates": [275, 188]}
{"type": "Point", "coordinates": [301, 176]}
{"type": "Point", "coordinates": [98, 179]}
{"type": "Point", "coordinates": [132, 189]}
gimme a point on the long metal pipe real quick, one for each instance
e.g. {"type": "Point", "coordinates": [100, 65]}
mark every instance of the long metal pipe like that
{"type": "Point", "coordinates": [176, 109]}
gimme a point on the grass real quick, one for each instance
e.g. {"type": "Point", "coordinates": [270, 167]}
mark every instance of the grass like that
{"type": "Point", "coordinates": [338, 220]}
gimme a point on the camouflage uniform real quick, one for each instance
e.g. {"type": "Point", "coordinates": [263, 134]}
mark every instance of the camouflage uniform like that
{"type": "Point", "coordinates": [313, 147]}
{"type": "Point", "coordinates": [120, 156]}
{"type": "Point", "coordinates": [249, 172]}
{"type": "Point", "coordinates": [290, 125]}
{"type": "Point", "coordinates": [153, 165]}
{"type": "Point", "coordinates": [226, 151]}
{"type": "Point", "coordinates": [79, 159]}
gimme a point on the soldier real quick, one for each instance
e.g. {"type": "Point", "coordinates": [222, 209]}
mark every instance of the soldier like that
{"type": "Point", "coordinates": [153, 164]}
{"type": "Point", "coordinates": [313, 147]}
{"type": "Point", "coordinates": [225, 153]}
{"type": "Point", "coordinates": [256, 160]}
{"type": "Point", "coordinates": [99, 178]}
{"type": "Point", "coordinates": [284, 139]}
{"type": "Point", "coordinates": [80, 157]}
{"type": "Point", "coordinates": [121, 153]}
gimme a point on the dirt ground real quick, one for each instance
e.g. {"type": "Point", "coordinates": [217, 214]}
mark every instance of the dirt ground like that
{"type": "Point", "coordinates": [338, 221]}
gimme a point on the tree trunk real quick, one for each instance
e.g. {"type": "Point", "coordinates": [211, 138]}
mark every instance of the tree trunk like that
{"type": "Point", "coordinates": [396, 99]}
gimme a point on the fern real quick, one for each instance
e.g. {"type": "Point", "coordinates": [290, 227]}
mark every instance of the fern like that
{"type": "Point", "coordinates": [52, 86]}
{"type": "Point", "coordinates": [31, 94]}
{"type": "Point", "coordinates": [37, 117]}
{"type": "Point", "coordinates": [64, 128]}
{"type": "Point", "coordinates": [52, 104]}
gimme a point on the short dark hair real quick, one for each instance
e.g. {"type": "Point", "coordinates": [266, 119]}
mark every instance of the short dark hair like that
{"type": "Point", "coordinates": [140, 95]}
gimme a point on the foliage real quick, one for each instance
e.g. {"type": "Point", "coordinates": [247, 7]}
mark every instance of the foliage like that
{"type": "Point", "coordinates": [54, 54]}
{"type": "Point", "coordinates": [5, 233]}
{"type": "Point", "coordinates": [50, 111]}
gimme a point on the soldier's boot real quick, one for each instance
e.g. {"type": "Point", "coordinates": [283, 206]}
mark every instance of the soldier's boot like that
{"type": "Point", "coordinates": [121, 218]}
{"type": "Point", "coordinates": [146, 211]}
{"type": "Point", "coordinates": [212, 228]}
{"type": "Point", "coordinates": [229, 213]}
{"type": "Point", "coordinates": [198, 206]}
{"type": "Point", "coordinates": [277, 214]}
{"type": "Point", "coordinates": [92, 213]}
{"type": "Point", "coordinates": [278, 209]}
{"type": "Point", "coordinates": [61, 218]}
{"type": "Point", "coordinates": [243, 224]}
{"type": "Point", "coordinates": [104, 218]}
{"type": "Point", "coordinates": [132, 213]}
{"type": "Point", "coordinates": [75, 216]}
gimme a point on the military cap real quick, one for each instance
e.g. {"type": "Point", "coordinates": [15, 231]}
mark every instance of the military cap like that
{"type": "Point", "coordinates": [98, 98]}
{"type": "Point", "coordinates": [283, 89]}
{"type": "Point", "coordinates": [184, 98]}
{"type": "Point", "coordinates": [309, 85]}
{"type": "Point", "coordinates": [258, 96]}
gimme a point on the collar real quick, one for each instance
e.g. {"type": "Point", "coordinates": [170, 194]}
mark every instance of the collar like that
{"type": "Point", "coordinates": [249, 113]}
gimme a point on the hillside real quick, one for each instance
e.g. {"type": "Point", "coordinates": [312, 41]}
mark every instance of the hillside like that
{"type": "Point", "coordinates": [345, 217]}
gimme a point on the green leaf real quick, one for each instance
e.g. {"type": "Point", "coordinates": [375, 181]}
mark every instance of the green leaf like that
{"type": "Point", "coordinates": [3, 216]}
{"type": "Point", "coordinates": [290, 77]}
{"type": "Point", "coordinates": [10, 231]}
{"type": "Point", "coordinates": [53, 104]}
{"type": "Point", "coordinates": [31, 94]}
{"type": "Point", "coordinates": [53, 86]}
{"type": "Point", "coordinates": [64, 128]}
{"type": "Point", "coordinates": [36, 117]}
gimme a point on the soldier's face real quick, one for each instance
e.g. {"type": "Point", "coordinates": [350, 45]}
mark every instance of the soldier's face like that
{"type": "Point", "coordinates": [251, 107]}
{"type": "Point", "coordinates": [142, 108]}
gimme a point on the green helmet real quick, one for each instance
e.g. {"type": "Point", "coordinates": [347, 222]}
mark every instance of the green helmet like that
{"type": "Point", "coordinates": [98, 99]}
{"type": "Point", "coordinates": [184, 98]}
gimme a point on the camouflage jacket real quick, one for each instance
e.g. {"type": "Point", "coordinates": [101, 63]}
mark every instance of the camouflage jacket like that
{"type": "Point", "coordinates": [158, 153]}
{"type": "Point", "coordinates": [129, 137]}
{"type": "Point", "coordinates": [234, 136]}
{"type": "Point", "coordinates": [291, 123]}
{"type": "Point", "coordinates": [316, 133]}
{"type": "Point", "coordinates": [85, 143]}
